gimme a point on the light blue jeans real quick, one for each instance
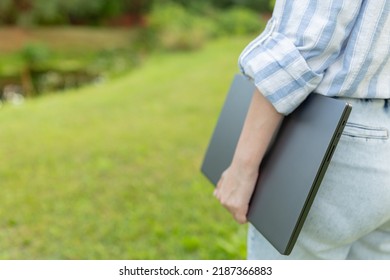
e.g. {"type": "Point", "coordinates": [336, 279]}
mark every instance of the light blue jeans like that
{"type": "Point", "coordinates": [350, 217]}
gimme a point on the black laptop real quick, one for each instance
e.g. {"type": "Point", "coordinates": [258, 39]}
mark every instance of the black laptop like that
{"type": "Point", "coordinates": [294, 166]}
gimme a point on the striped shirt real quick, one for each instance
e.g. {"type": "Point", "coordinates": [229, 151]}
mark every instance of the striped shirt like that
{"type": "Point", "coordinates": [332, 47]}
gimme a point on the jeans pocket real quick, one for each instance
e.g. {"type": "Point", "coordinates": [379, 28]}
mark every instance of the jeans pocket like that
{"type": "Point", "coordinates": [360, 131]}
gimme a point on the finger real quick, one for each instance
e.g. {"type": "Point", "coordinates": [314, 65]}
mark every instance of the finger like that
{"type": "Point", "coordinates": [218, 187]}
{"type": "Point", "coordinates": [240, 218]}
{"type": "Point", "coordinates": [220, 181]}
{"type": "Point", "coordinates": [215, 193]}
{"type": "Point", "coordinates": [240, 214]}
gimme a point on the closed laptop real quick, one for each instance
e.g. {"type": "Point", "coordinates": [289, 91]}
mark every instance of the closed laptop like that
{"type": "Point", "coordinates": [294, 166]}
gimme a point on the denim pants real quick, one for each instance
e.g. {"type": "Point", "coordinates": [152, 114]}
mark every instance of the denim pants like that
{"type": "Point", "coordinates": [350, 217]}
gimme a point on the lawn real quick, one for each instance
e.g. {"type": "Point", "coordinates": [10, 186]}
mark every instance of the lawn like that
{"type": "Point", "coordinates": [112, 171]}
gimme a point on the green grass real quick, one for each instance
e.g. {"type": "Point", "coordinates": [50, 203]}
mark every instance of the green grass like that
{"type": "Point", "coordinates": [112, 171]}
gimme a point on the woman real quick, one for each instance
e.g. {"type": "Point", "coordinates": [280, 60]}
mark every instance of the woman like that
{"type": "Point", "coordinates": [338, 48]}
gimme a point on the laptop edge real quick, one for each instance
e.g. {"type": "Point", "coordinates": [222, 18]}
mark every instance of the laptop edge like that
{"type": "Point", "coordinates": [319, 177]}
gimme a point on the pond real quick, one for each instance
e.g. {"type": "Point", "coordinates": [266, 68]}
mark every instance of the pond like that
{"type": "Point", "coordinates": [14, 88]}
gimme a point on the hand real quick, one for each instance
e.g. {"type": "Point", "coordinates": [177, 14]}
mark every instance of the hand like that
{"type": "Point", "coordinates": [234, 191]}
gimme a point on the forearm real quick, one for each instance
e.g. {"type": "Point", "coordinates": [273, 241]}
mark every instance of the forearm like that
{"type": "Point", "coordinates": [260, 126]}
{"type": "Point", "coordinates": [237, 183]}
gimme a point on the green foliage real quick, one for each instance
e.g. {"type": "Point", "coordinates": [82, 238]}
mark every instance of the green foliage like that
{"type": "Point", "coordinates": [96, 12]}
{"type": "Point", "coordinates": [34, 12]}
{"type": "Point", "coordinates": [61, 58]}
{"type": "Point", "coordinates": [47, 12]}
{"type": "Point", "coordinates": [35, 55]}
{"type": "Point", "coordinates": [173, 27]}
{"type": "Point", "coordinates": [176, 28]}
{"type": "Point", "coordinates": [88, 11]}
{"type": "Point", "coordinates": [256, 5]}
{"type": "Point", "coordinates": [272, 4]}
{"type": "Point", "coordinates": [7, 11]}
{"type": "Point", "coordinates": [238, 21]}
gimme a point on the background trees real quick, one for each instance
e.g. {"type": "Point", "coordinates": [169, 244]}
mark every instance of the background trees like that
{"type": "Point", "coordinates": [57, 44]}
{"type": "Point", "coordinates": [101, 12]}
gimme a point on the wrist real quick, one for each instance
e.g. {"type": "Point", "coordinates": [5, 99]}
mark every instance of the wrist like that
{"type": "Point", "coordinates": [246, 166]}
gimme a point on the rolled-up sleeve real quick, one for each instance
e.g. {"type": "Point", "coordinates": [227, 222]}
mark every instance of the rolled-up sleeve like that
{"type": "Point", "coordinates": [288, 60]}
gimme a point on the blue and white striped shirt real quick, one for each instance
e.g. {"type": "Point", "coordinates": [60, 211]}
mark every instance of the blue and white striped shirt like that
{"type": "Point", "coordinates": [332, 47]}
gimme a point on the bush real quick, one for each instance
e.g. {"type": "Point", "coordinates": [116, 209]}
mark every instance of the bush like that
{"type": "Point", "coordinates": [176, 28]}
{"type": "Point", "coordinates": [238, 21]}
{"type": "Point", "coordinates": [272, 4]}
{"type": "Point", "coordinates": [255, 5]}
{"type": "Point", "coordinates": [173, 27]}
{"type": "Point", "coordinates": [34, 55]}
